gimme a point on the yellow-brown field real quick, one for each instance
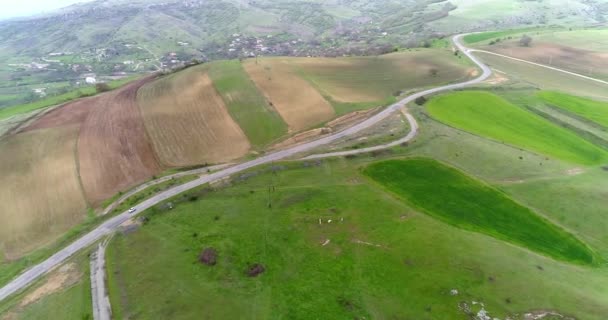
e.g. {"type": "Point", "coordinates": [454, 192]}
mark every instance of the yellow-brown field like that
{"type": "Point", "coordinates": [40, 197]}
{"type": "Point", "coordinates": [300, 105]}
{"type": "Point", "coordinates": [369, 79]}
{"type": "Point", "coordinates": [188, 122]}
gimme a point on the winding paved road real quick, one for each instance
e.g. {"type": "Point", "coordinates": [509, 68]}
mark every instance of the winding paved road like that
{"type": "Point", "coordinates": [413, 132]}
{"type": "Point", "coordinates": [200, 171]}
{"type": "Point", "coordinates": [112, 224]}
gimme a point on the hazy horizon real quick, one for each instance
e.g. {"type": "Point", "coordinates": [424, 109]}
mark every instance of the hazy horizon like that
{"type": "Point", "coordinates": [24, 8]}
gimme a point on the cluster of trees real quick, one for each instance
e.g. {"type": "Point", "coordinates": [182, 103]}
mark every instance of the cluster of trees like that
{"type": "Point", "coordinates": [525, 40]}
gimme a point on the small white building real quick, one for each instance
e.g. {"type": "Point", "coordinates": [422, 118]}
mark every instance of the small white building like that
{"type": "Point", "coordinates": [90, 80]}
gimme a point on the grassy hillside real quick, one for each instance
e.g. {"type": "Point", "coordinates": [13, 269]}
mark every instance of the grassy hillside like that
{"type": "Point", "coordinates": [260, 121]}
{"type": "Point", "coordinates": [491, 116]}
{"type": "Point", "coordinates": [448, 195]}
{"type": "Point", "coordinates": [376, 253]}
{"type": "Point", "coordinates": [595, 111]}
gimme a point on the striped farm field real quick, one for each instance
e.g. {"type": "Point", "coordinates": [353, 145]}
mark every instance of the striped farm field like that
{"type": "Point", "coordinates": [300, 105]}
{"type": "Point", "coordinates": [113, 148]}
{"type": "Point", "coordinates": [491, 116]}
{"type": "Point", "coordinates": [188, 122]}
{"type": "Point", "coordinates": [376, 79]}
{"type": "Point", "coordinates": [596, 111]}
{"type": "Point", "coordinates": [40, 197]}
{"type": "Point", "coordinates": [261, 122]}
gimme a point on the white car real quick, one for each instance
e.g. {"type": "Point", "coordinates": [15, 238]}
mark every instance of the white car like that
{"type": "Point", "coordinates": [131, 210]}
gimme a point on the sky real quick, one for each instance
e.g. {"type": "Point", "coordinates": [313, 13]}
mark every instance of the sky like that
{"type": "Point", "coordinates": [22, 8]}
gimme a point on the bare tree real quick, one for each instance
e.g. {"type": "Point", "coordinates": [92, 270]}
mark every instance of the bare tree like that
{"type": "Point", "coordinates": [525, 40]}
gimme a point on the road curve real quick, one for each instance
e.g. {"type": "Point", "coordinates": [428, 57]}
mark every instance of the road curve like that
{"type": "Point", "coordinates": [111, 224]}
{"type": "Point", "coordinates": [413, 132]}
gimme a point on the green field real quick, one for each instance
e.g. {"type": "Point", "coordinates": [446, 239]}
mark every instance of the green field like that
{"type": "Point", "coordinates": [381, 253]}
{"type": "Point", "coordinates": [595, 111]}
{"type": "Point", "coordinates": [450, 196]}
{"type": "Point", "coordinates": [490, 116]}
{"type": "Point", "coordinates": [595, 39]}
{"type": "Point", "coordinates": [559, 197]}
{"type": "Point", "coordinates": [58, 99]}
{"type": "Point", "coordinates": [260, 122]}
{"type": "Point", "coordinates": [484, 36]}
{"type": "Point", "coordinates": [47, 102]}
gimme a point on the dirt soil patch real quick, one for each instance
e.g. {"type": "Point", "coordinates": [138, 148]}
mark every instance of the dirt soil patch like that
{"type": "Point", "coordinates": [545, 314]}
{"type": "Point", "coordinates": [59, 280]}
{"type": "Point", "coordinates": [497, 78]}
{"type": "Point", "coordinates": [255, 270]}
{"type": "Point", "coordinates": [351, 118]}
{"type": "Point", "coordinates": [69, 114]}
{"type": "Point", "coordinates": [298, 103]}
{"type": "Point", "coordinates": [301, 138]}
{"type": "Point", "coordinates": [188, 121]}
{"type": "Point", "coordinates": [208, 257]}
{"type": "Point", "coordinates": [575, 171]}
{"type": "Point", "coordinates": [113, 148]}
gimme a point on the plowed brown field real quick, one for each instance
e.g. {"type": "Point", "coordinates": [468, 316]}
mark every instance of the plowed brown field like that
{"type": "Point", "coordinates": [40, 197]}
{"type": "Point", "coordinates": [298, 103]}
{"type": "Point", "coordinates": [113, 147]}
{"type": "Point", "coordinates": [188, 121]}
{"type": "Point", "coordinates": [73, 113]}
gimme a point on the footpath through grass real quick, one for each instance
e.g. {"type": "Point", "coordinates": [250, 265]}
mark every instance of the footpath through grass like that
{"type": "Point", "coordinates": [451, 196]}
{"type": "Point", "coordinates": [260, 122]}
{"type": "Point", "coordinates": [491, 116]}
{"type": "Point", "coordinates": [595, 111]}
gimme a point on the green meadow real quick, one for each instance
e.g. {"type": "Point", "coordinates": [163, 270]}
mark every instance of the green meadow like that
{"type": "Point", "coordinates": [379, 257]}
{"type": "Point", "coordinates": [491, 116]}
{"type": "Point", "coordinates": [450, 196]}
{"type": "Point", "coordinates": [595, 111]}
